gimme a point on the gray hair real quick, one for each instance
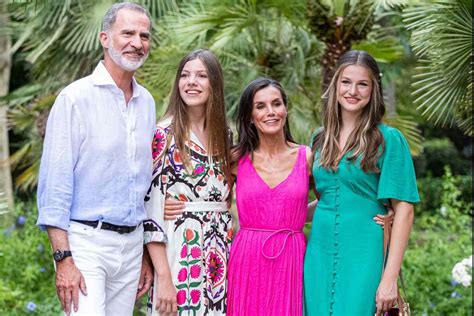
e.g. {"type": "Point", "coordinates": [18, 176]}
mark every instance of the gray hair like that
{"type": "Point", "coordinates": [111, 14]}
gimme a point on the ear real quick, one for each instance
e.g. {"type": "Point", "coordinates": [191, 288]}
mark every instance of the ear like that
{"type": "Point", "coordinates": [104, 39]}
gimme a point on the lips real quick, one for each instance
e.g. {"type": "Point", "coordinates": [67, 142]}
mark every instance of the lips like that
{"type": "Point", "coordinates": [136, 55]}
{"type": "Point", "coordinates": [271, 121]}
{"type": "Point", "coordinates": [192, 92]}
{"type": "Point", "coordinates": [352, 100]}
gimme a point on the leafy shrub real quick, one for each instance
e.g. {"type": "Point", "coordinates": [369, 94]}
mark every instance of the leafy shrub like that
{"type": "Point", "coordinates": [439, 240]}
{"type": "Point", "coordinates": [431, 192]}
{"type": "Point", "coordinates": [26, 268]}
{"type": "Point", "coordinates": [27, 282]}
{"type": "Point", "coordinates": [440, 152]}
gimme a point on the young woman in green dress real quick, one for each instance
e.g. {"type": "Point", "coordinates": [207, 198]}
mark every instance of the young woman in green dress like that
{"type": "Point", "coordinates": [360, 165]}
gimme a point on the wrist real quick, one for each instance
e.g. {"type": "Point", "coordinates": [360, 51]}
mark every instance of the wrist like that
{"type": "Point", "coordinates": [68, 261]}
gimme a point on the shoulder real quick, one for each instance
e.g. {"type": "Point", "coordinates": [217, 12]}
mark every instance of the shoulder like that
{"type": "Point", "coordinates": [77, 90]}
{"type": "Point", "coordinates": [316, 132]}
{"type": "Point", "coordinates": [309, 156]}
{"type": "Point", "coordinates": [165, 123]}
{"type": "Point", "coordinates": [160, 137]}
{"type": "Point", "coordinates": [145, 94]}
{"type": "Point", "coordinates": [389, 131]}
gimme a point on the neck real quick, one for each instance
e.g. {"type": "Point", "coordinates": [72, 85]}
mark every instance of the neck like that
{"type": "Point", "coordinates": [271, 144]}
{"type": "Point", "coordinates": [197, 118]}
{"type": "Point", "coordinates": [122, 78]}
{"type": "Point", "coordinates": [349, 121]}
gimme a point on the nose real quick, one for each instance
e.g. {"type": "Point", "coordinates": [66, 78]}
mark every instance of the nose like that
{"type": "Point", "coordinates": [270, 110]}
{"type": "Point", "coordinates": [353, 89]}
{"type": "Point", "coordinates": [136, 42]}
{"type": "Point", "coordinates": [191, 79]}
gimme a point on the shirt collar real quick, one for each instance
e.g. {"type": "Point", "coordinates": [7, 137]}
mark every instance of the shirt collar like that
{"type": "Point", "coordinates": [102, 77]}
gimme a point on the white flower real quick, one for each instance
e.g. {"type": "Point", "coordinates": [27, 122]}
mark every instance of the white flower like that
{"type": "Point", "coordinates": [443, 210]}
{"type": "Point", "coordinates": [462, 272]}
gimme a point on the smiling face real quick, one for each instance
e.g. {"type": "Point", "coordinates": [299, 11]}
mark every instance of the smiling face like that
{"type": "Point", "coordinates": [194, 86]}
{"type": "Point", "coordinates": [354, 89]}
{"type": "Point", "coordinates": [127, 42]}
{"type": "Point", "coordinates": [269, 111]}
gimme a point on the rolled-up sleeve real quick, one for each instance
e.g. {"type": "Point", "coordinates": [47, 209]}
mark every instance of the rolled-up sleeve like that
{"type": "Point", "coordinates": [155, 199]}
{"type": "Point", "coordinates": [60, 154]}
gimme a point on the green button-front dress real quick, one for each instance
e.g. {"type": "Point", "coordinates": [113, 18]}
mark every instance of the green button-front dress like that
{"type": "Point", "coordinates": [343, 261]}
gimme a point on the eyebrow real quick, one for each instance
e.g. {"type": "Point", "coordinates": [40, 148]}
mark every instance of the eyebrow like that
{"type": "Point", "coordinates": [367, 80]}
{"type": "Point", "coordinates": [200, 70]}
{"type": "Point", "coordinates": [128, 31]}
{"type": "Point", "coordinates": [276, 99]}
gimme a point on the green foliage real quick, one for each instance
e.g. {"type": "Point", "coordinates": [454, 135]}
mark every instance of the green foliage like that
{"type": "Point", "coordinates": [442, 39]}
{"type": "Point", "coordinates": [26, 267]}
{"type": "Point", "coordinates": [439, 240]}
{"type": "Point", "coordinates": [431, 192]}
{"type": "Point", "coordinates": [438, 153]}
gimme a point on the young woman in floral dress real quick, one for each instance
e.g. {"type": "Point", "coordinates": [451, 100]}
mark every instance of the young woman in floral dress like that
{"type": "Point", "coordinates": [190, 153]}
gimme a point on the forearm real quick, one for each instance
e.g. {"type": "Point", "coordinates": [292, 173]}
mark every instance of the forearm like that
{"type": "Point", "coordinates": [58, 238]}
{"type": "Point", "coordinates": [401, 229]}
{"type": "Point", "coordinates": [310, 211]}
{"type": "Point", "coordinates": [157, 253]}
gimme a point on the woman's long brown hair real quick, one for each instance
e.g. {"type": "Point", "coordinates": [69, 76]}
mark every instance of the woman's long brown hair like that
{"type": "Point", "coordinates": [366, 140]}
{"type": "Point", "coordinates": [218, 140]}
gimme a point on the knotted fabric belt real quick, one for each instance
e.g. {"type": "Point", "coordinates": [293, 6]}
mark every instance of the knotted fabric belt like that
{"type": "Point", "coordinates": [289, 233]}
{"type": "Point", "coordinates": [202, 206]}
{"type": "Point", "coordinates": [107, 226]}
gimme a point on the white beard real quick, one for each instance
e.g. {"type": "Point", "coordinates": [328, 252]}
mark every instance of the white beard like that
{"type": "Point", "coordinates": [122, 61]}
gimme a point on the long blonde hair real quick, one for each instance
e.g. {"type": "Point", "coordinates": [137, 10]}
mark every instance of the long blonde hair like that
{"type": "Point", "coordinates": [215, 122]}
{"type": "Point", "coordinates": [365, 140]}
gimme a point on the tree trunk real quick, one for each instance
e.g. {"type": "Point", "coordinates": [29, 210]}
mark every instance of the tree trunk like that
{"type": "Point", "coordinates": [6, 191]}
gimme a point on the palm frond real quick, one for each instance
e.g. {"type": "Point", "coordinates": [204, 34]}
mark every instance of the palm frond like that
{"type": "Point", "coordinates": [442, 39]}
{"type": "Point", "coordinates": [409, 128]}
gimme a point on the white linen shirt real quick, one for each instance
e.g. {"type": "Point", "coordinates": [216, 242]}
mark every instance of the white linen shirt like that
{"type": "Point", "coordinates": [97, 160]}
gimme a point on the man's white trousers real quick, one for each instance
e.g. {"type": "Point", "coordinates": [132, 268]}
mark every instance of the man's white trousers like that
{"type": "Point", "coordinates": [110, 263]}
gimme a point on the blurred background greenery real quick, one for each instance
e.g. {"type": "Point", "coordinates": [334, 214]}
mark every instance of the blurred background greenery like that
{"type": "Point", "coordinates": [424, 49]}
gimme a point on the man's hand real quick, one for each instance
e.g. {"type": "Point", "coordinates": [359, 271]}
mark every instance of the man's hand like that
{"type": "Point", "coordinates": [68, 282]}
{"type": "Point", "coordinates": [146, 275]}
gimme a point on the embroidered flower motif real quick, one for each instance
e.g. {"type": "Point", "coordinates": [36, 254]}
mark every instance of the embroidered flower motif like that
{"type": "Point", "coordinates": [182, 275]}
{"type": "Point", "coordinates": [215, 267]}
{"type": "Point", "coordinates": [159, 142]}
{"type": "Point", "coordinates": [198, 170]}
{"type": "Point", "coordinates": [181, 297]}
{"type": "Point", "coordinates": [230, 234]}
{"type": "Point", "coordinates": [195, 252]}
{"type": "Point", "coordinates": [182, 197]}
{"type": "Point", "coordinates": [177, 158]}
{"type": "Point", "coordinates": [189, 234]}
{"type": "Point", "coordinates": [195, 296]}
{"type": "Point", "coordinates": [195, 271]}
{"type": "Point", "coordinates": [184, 251]}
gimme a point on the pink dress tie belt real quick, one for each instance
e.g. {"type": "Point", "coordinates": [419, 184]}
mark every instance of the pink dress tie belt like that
{"type": "Point", "coordinates": [289, 233]}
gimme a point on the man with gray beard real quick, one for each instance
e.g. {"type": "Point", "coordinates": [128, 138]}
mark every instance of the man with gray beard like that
{"type": "Point", "coordinates": [95, 170]}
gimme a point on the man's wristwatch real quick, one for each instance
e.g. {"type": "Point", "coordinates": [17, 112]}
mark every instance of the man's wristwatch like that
{"type": "Point", "coordinates": [59, 255]}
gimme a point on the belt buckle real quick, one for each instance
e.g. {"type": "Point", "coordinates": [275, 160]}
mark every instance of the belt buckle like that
{"type": "Point", "coordinates": [120, 230]}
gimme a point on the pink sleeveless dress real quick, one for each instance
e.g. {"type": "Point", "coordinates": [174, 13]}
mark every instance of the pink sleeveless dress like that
{"type": "Point", "coordinates": [265, 275]}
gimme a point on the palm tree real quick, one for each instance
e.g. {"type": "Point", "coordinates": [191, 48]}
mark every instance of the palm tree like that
{"type": "Point", "coordinates": [442, 40]}
{"type": "Point", "coordinates": [6, 194]}
{"type": "Point", "coordinates": [251, 40]}
{"type": "Point", "coordinates": [60, 42]}
{"type": "Point", "coordinates": [268, 37]}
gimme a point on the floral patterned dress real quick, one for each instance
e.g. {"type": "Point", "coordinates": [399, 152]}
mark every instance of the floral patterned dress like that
{"type": "Point", "coordinates": [197, 242]}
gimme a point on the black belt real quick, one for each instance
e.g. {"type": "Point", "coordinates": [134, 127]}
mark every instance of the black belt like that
{"type": "Point", "coordinates": [108, 226]}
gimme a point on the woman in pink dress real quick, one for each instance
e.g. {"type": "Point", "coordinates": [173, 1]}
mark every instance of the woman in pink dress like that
{"type": "Point", "coordinates": [272, 180]}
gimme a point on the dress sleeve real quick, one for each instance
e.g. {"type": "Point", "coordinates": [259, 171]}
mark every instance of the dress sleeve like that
{"type": "Point", "coordinates": [155, 198]}
{"type": "Point", "coordinates": [397, 173]}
